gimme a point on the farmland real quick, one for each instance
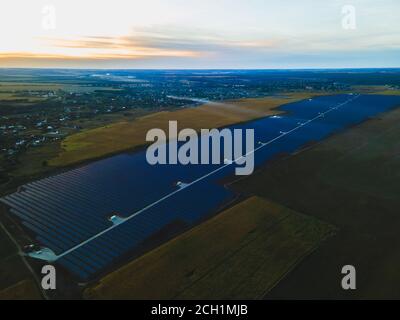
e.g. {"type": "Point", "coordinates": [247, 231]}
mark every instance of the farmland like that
{"type": "Point", "coordinates": [23, 290]}
{"type": "Point", "coordinates": [350, 181]}
{"type": "Point", "coordinates": [46, 115]}
{"type": "Point", "coordinates": [303, 217]}
{"type": "Point", "coordinates": [122, 136]}
{"type": "Point", "coordinates": [15, 280]}
{"type": "Point", "coordinates": [241, 253]}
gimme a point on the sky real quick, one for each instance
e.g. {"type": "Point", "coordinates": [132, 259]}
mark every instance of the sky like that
{"type": "Point", "coordinates": [207, 34]}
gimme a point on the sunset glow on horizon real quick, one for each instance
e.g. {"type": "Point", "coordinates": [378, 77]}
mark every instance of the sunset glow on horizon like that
{"type": "Point", "coordinates": [197, 34]}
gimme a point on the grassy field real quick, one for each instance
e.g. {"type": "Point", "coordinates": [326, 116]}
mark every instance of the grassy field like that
{"type": "Point", "coordinates": [382, 90]}
{"type": "Point", "coordinates": [14, 87]}
{"type": "Point", "coordinates": [389, 92]}
{"type": "Point", "coordinates": [12, 91]}
{"type": "Point", "coordinates": [34, 160]}
{"type": "Point", "coordinates": [239, 254]}
{"type": "Point", "coordinates": [8, 96]}
{"type": "Point", "coordinates": [351, 181]}
{"type": "Point", "coordinates": [126, 135]}
{"type": "Point", "coordinates": [7, 248]}
{"type": "Point", "coordinates": [23, 290]}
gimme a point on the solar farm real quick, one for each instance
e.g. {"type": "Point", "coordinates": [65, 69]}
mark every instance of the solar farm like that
{"type": "Point", "coordinates": [72, 215]}
{"type": "Point", "coordinates": [88, 218]}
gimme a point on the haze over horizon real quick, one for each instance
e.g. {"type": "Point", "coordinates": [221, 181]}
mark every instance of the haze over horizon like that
{"type": "Point", "coordinates": [190, 34]}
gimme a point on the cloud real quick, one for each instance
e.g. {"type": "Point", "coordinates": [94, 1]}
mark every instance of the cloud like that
{"type": "Point", "coordinates": [167, 46]}
{"type": "Point", "coordinates": [160, 41]}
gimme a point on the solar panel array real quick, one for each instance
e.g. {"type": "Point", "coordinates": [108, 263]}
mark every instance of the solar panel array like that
{"type": "Point", "coordinates": [66, 210]}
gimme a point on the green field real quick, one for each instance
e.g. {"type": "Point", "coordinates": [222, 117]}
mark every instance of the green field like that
{"type": "Point", "coordinates": [15, 87]}
{"type": "Point", "coordinates": [15, 97]}
{"type": "Point", "coordinates": [15, 280]}
{"type": "Point", "coordinates": [239, 254]}
{"type": "Point", "coordinates": [351, 181]}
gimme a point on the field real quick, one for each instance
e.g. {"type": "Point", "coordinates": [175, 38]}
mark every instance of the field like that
{"type": "Point", "coordinates": [389, 92]}
{"type": "Point", "coordinates": [127, 135]}
{"type": "Point", "coordinates": [382, 90]}
{"type": "Point", "coordinates": [32, 162]}
{"type": "Point", "coordinates": [15, 280]}
{"type": "Point", "coordinates": [239, 254]}
{"type": "Point", "coordinates": [18, 99]}
{"type": "Point", "coordinates": [351, 181]}
{"type": "Point", "coordinates": [23, 290]}
{"type": "Point", "coordinates": [15, 87]}
{"type": "Point", "coordinates": [20, 92]}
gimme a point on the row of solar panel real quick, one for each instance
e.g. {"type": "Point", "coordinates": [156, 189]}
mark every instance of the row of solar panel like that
{"type": "Point", "coordinates": [96, 255]}
{"type": "Point", "coordinates": [67, 209]}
